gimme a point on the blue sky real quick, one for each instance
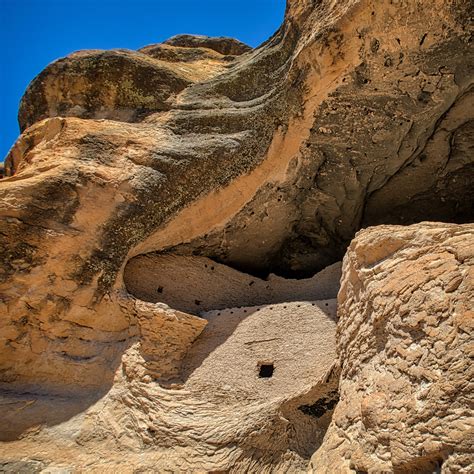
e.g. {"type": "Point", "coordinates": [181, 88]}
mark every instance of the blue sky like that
{"type": "Point", "coordinates": [36, 32]}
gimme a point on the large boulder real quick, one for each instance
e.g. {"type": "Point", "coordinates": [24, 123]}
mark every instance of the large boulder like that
{"type": "Point", "coordinates": [118, 84]}
{"type": "Point", "coordinates": [404, 342]}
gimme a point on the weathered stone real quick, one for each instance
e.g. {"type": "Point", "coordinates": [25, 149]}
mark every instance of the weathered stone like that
{"type": "Point", "coordinates": [210, 411]}
{"type": "Point", "coordinates": [404, 341]}
{"type": "Point", "coordinates": [119, 84]}
{"type": "Point", "coordinates": [222, 44]}
{"type": "Point", "coordinates": [354, 113]}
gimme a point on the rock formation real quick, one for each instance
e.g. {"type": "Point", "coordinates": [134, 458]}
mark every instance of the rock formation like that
{"type": "Point", "coordinates": [405, 341]}
{"type": "Point", "coordinates": [163, 220]}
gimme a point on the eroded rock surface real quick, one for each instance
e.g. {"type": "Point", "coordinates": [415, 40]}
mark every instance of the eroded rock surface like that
{"type": "Point", "coordinates": [405, 340]}
{"type": "Point", "coordinates": [265, 161]}
{"type": "Point", "coordinates": [219, 411]}
{"type": "Point", "coordinates": [119, 84]}
{"type": "Point", "coordinates": [223, 45]}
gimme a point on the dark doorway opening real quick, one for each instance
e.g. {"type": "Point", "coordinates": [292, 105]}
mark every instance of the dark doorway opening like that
{"type": "Point", "coordinates": [266, 370]}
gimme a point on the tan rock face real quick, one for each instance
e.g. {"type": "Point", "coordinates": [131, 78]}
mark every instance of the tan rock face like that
{"type": "Point", "coordinates": [251, 393]}
{"type": "Point", "coordinates": [135, 168]}
{"type": "Point", "coordinates": [404, 340]}
{"type": "Point", "coordinates": [119, 84]}
{"type": "Point", "coordinates": [222, 45]}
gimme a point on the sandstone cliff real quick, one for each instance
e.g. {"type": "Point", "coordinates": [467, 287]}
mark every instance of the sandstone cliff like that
{"type": "Point", "coordinates": [164, 217]}
{"type": "Point", "coordinates": [404, 337]}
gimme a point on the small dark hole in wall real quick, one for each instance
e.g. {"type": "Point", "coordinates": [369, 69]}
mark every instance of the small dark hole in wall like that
{"type": "Point", "coordinates": [159, 289]}
{"type": "Point", "coordinates": [197, 302]}
{"type": "Point", "coordinates": [265, 371]}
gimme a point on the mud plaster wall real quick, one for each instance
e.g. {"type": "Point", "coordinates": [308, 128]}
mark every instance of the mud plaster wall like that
{"type": "Point", "coordinates": [198, 284]}
{"type": "Point", "coordinates": [296, 338]}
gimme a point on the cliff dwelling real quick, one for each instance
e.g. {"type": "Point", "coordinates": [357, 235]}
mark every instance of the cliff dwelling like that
{"type": "Point", "coordinates": [218, 258]}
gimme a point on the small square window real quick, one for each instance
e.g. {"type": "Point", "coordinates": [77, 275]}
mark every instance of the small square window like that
{"type": "Point", "coordinates": [266, 370]}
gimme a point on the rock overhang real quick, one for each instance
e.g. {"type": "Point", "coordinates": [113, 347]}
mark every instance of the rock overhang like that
{"type": "Point", "coordinates": [271, 166]}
